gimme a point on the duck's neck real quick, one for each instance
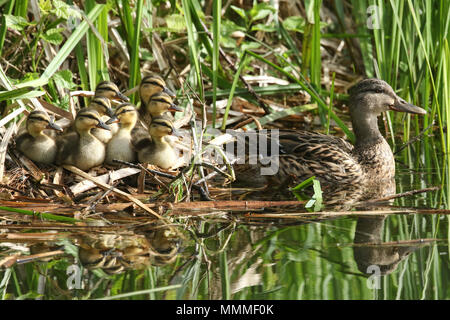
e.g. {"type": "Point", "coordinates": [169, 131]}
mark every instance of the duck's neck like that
{"type": "Point", "coordinates": [367, 133]}
{"type": "Point", "coordinates": [127, 126]}
{"type": "Point", "coordinates": [159, 141]}
{"type": "Point", "coordinates": [86, 134]}
{"type": "Point", "coordinates": [36, 133]}
{"type": "Point", "coordinates": [372, 151]}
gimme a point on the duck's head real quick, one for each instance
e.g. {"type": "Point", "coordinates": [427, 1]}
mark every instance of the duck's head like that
{"type": "Point", "coordinates": [38, 121]}
{"type": "Point", "coordinates": [374, 96]}
{"type": "Point", "coordinates": [87, 119]}
{"type": "Point", "coordinates": [126, 114]}
{"type": "Point", "coordinates": [160, 103]}
{"type": "Point", "coordinates": [151, 85]}
{"type": "Point", "coordinates": [161, 127]}
{"type": "Point", "coordinates": [109, 90]}
{"type": "Point", "coordinates": [102, 105]}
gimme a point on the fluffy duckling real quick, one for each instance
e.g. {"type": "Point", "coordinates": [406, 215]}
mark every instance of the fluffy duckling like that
{"type": "Point", "coordinates": [159, 105]}
{"type": "Point", "coordinates": [103, 106]}
{"type": "Point", "coordinates": [151, 85]}
{"type": "Point", "coordinates": [81, 148]}
{"type": "Point", "coordinates": [159, 151]}
{"type": "Point", "coordinates": [34, 143]}
{"type": "Point", "coordinates": [120, 146]}
{"type": "Point", "coordinates": [109, 90]}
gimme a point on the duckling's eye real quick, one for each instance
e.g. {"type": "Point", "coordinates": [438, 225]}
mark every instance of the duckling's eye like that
{"type": "Point", "coordinates": [156, 84]}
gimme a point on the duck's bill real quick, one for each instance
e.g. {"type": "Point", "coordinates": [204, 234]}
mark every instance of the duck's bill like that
{"type": "Point", "coordinates": [121, 96]}
{"type": "Point", "coordinates": [169, 92]}
{"type": "Point", "coordinates": [174, 107]}
{"type": "Point", "coordinates": [407, 107]}
{"type": "Point", "coordinates": [103, 125]}
{"type": "Point", "coordinates": [110, 112]}
{"type": "Point", "coordinates": [54, 126]}
{"type": "Point", "coordinates": [113, 119]}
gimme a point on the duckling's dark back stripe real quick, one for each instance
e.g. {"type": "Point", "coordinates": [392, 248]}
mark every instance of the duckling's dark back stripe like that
{"type": "Point", "coordinates": [124, 110]}
{"type": "Point", "coordinates": [90, 116]}
{"type": "Point", "coordinates": [155, 83]}
{"type": "Point", "coordinates": [163, 123]}
{"type": "Point", "coordinates": [37, 117]}
{"type": "Point", "coordinates": [104, 102]}
{"type": "Point", "coordinates": [106, 86]}
{"type": "Point", "coordinates": [161, 100]}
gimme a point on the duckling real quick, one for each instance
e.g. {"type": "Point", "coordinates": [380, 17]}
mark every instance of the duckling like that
{"type": "Point", "coordinates": [151, 85]}
{"type": "Point", "coordinates": [120, 146]}
{"type": "Point", "coordinates": [102, 105]}
{"type": "Point", "coordinates": [159, 151]}
{"type": "Point", "coordinates": [81, 148]}
{"type": "Point", "coordinates": [159, 105]}
{"type": "Point", "coordinates": [109, 90]}
{"type": "Point", "coordinates": [34, 143]}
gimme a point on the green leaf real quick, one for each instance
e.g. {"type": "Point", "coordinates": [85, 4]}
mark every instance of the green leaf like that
{"type": "Point", "coordinates": [240, 12]}
{"type": "Point", "coordinates": [45, 6]}
{"type": "Point", "coordinates": [16, 22]}
{"type": "Point", "coordinates": [64, 78]}
{"type": "Point", "coordinates": [303, 184]}
{"type": "Point", "coordinates": [176, 23]}
{"type": "Point", "coordinates": [64, 11]}
{"type": "Point", "coordinates": [264, 27]}
{"type": "Point", "coordinates": [294, 23]}
{"type": "Point", "coordinates": [53, 36]}
{"type": "Point", "coordinates": [260, 11]}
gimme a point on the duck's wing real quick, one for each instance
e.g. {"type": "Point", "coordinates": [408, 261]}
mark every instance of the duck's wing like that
{"type": "Point", "coordinates": [329, 158]}
{"type": "Point", "coordinates": [66, 144]}
{"type": "Point", "coordinates": [22, 140]}
{"type": "Point", "coordinates": [140, 138]}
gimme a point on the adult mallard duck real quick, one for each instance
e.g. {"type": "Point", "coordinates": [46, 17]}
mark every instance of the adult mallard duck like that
{"type": "Point", "coordinates": [120, 146]}
{"type": "Point", "coordinates": [33, 142]}
{"type": "Point", "coordinates": [81, 148]}
{"type": "Point", "coordinates": [333, 160]}
{"type": "Point", "coordinates": [159, 151]}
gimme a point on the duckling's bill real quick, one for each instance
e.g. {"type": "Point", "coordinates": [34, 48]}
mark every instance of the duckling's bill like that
{"type": "Point", "coordinates": [121, 96]}
{"type": "Point", "coordinates": [113, 119]}
{"type": "Point", "coordinates": [54, 126]}
{"type": "Point", "coordinates": [169, 92]}
{"type": "Point", "coordinates": [174, 107]}
{"type": "Point", "coordinates": [103, 125]}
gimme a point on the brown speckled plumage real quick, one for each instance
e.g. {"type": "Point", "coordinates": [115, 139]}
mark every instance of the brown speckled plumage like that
{"type": "Point", "coordinates": [333, 160]}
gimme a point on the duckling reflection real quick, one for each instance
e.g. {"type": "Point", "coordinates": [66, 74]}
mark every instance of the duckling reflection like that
{"type": "Point", "coordinates": [115, 253]}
